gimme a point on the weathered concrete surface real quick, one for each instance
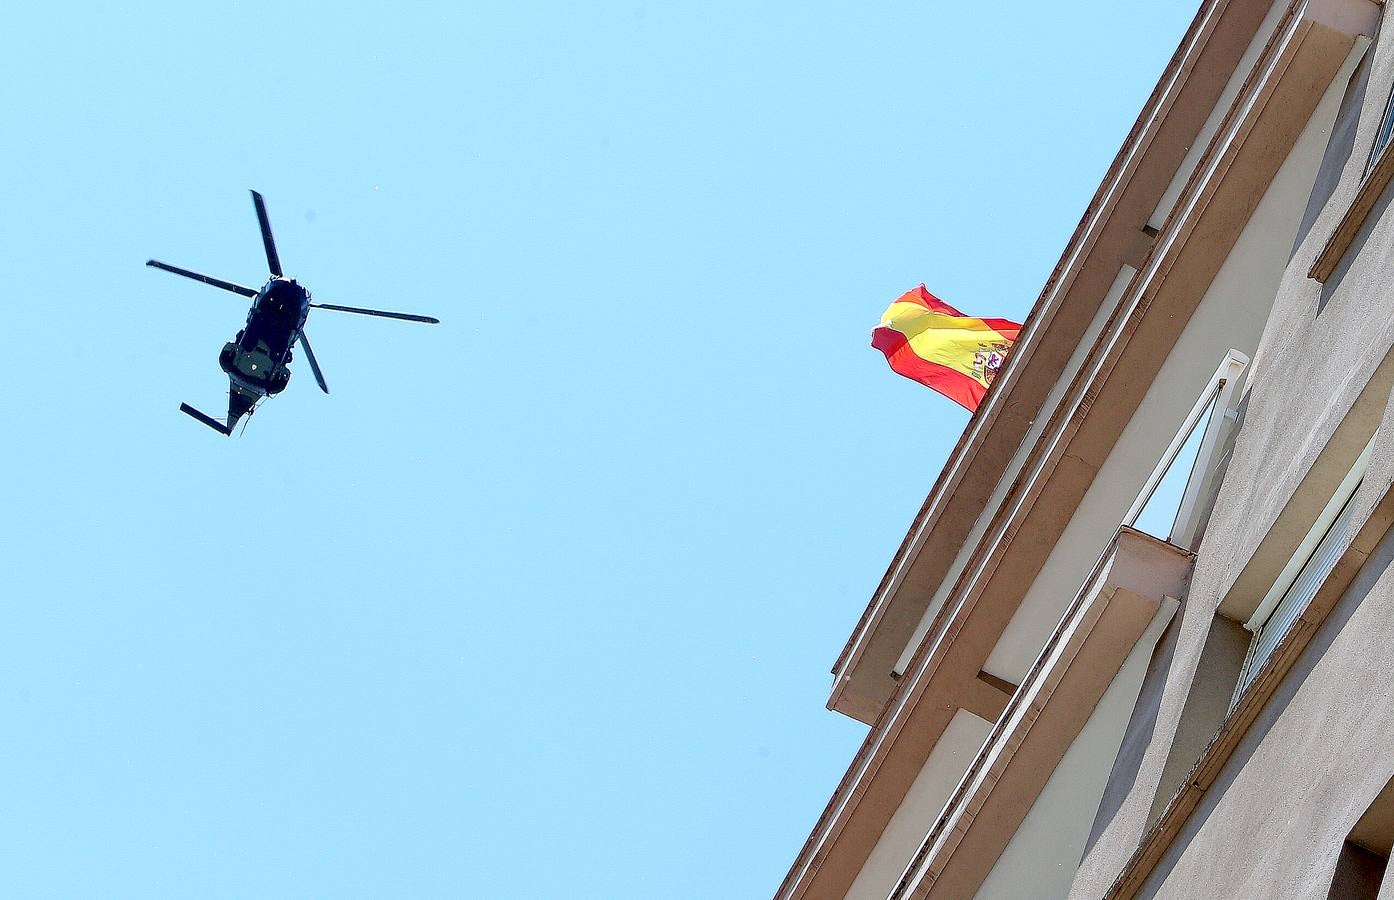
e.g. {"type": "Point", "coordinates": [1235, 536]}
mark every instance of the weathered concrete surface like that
{"type": "Point", "coordinates": [863, 672]}
{"type": "Point", "coordinates": [1275, 822]}
{"type": "Point", "coordinates": [1320, 349]}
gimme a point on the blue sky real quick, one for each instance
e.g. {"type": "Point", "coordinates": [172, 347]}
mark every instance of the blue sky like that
{"type": "Point", "coordinates": [540, 602]}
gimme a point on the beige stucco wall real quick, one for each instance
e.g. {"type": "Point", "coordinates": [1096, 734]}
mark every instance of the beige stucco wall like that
{"type": "Point", "coordinates": [1231, 315]}
{"type": "Point", "coordinates": [1271, 269]}
{"type": "Point", "coordinates": [1321, 749]}
{"type": "Point", "coordinates": [1014, 468]}
{"type": "Point", "coordinates": [1039, 861]}
{"type": "Point", "coordinates": [923, 802]}
{"type": "Point", "coordinates": [1318, 348]}
{"type": "Point", "coordinates": [1274, 822]}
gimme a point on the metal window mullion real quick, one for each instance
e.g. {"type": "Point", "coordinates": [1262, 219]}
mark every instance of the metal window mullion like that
{"type": "Point", "coordinates": [1246, 671]}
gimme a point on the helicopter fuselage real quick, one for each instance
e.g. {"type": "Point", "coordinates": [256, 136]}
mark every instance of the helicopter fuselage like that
{"type": "Point", "coordinates": [256, 360]}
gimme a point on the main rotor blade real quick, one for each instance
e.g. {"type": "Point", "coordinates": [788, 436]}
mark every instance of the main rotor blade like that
{"type": "Point", "coordinates": [429, 320]}
{"type": "Point", "coordinates": [314, 363]}
{"type": "Point", "coordinates": [206, 279]}
{"type": "Point", "coordinates": [272, 259]}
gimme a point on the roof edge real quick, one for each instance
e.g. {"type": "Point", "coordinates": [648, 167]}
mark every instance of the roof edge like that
{"type": "Point", "coordinates": [982, 426]}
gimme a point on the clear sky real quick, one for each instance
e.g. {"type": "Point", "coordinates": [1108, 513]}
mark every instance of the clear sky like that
{"type": "Point", "coordinates": [541, 601]}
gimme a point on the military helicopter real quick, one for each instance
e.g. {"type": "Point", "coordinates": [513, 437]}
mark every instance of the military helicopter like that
{"type": "Point", "coordinates": [256, 360]}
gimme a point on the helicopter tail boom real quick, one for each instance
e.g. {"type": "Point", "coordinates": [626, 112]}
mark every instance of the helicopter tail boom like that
{"type": "Point", "coordinates": [205, 419]}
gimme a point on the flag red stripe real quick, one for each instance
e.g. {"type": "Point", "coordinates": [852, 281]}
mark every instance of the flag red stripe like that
{"type": "Point", "coordinates": [958, 387]}
{"type": "Point", "coordinates": [922, 295]}
{"type": "Point", "coordinates": [1005, 327]}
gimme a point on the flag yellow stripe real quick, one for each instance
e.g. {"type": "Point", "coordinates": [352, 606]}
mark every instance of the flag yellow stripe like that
{"type": "Point", "coordinates": [954, 342]}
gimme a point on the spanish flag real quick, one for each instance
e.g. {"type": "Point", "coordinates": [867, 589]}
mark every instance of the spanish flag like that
{"type": "Point", "coordinates": [927, 340]}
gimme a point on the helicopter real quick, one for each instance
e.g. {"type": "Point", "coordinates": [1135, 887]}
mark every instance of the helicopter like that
{"type": "Point", "coordinates": [256, 360]}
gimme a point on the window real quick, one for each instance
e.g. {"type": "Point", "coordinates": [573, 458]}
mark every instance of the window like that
{"type": "Point", "coordinates": [1379, 169]}
{"type": "Point", "coordinates": [1174, 501]}
{"type": "Point", "coordinates": [1303, 576]}
{"type": "Point", "coordinates": [1386, 127]}
{"type": "Point", "coordinates": [1159, 513]}
{"type": "Point", "coordinates": [1386, 130]}
{"type": "Point", "coordinates": [1358, 874]}
{"type": "Point", "coordinates": [1363, 860]}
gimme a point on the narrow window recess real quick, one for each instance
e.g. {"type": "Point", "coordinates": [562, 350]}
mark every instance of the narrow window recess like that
{"type": "Point", "coordinates": [1386, 129]}
{"type": "Point", "coordinates": [1370, 191]}
{"type": "Point", "coordinates": [1379, 170]}
{"type": "Point", "coordinates": [1362, 865]}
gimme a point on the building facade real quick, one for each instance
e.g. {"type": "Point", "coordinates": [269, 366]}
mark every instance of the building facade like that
{"type": "Point", "coordinates": [1138, 640]}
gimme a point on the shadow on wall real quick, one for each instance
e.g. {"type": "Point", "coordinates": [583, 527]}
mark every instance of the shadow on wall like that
{"type": "Point", "coordinates": [1137, 736]}
{"type": "Point", "coordinates": [1360, 589]}
{"type": "Point", "coordinates": [1330, 286]}
{"type": "Point", "coordinates": [1338, 150]}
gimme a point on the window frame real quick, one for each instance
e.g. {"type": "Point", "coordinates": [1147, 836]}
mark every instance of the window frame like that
{"type": "Point", "coordinates": [1223, 392]}
{"type": "Point", "coordinates": [1382, 136]}
{"type": "Point", "coordinates": [1374, 178]}
{"type": "Point", "coordinates": [1386, 119]}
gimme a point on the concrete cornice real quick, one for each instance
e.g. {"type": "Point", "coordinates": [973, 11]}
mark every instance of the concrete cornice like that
{"type": "Point", "coordinates": [1265, 120]}
{"type": "Point", "coordinates": [1138, 578]}
{"type": "Point", "coordinates": [1379, 498]}
{"type": "Point", "coordinates": [1110, 235]}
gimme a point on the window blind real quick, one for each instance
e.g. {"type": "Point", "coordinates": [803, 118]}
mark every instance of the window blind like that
{"type": "Point", "coordinates": [1309, 580]}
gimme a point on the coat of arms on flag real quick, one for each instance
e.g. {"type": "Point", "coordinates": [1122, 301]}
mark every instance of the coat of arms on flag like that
{"type": "Point", "coordinates": [927, 340]}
